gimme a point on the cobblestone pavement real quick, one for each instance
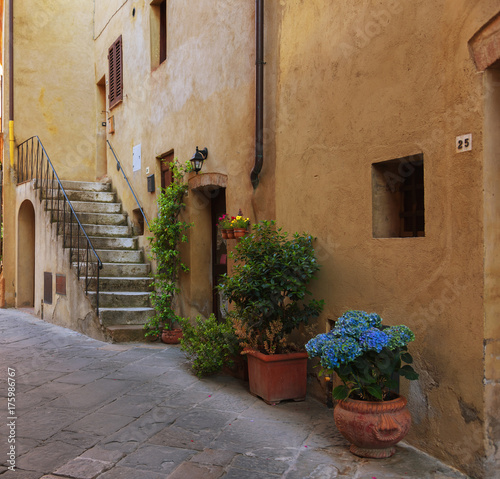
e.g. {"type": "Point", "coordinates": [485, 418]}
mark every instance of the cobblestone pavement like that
{"type": "Point", "coordinates": [85, 409]}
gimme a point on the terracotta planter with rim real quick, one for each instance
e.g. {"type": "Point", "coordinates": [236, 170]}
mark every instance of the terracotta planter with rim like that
{"type": "Point", "coordinates": [171, 336]}
{"type": "Point", "coordinates": [277, 377]}
{"type": "Point", "coordinates": [240, 232]}
{"type": "Point", "coordinates": [224, 233]}
{"type": "Point", "coordinates": [373, 428]}
{"type": "Point", "coordinates": [230, 233]}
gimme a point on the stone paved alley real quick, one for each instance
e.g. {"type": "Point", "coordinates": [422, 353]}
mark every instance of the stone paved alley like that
{"type": "Point", "coordinates": [85, 409]}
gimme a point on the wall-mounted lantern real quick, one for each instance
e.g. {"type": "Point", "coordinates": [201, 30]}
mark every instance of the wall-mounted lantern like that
{"type": "Point", "coordinates": [198, 158]}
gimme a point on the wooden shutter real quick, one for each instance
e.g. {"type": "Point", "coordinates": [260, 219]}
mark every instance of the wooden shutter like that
{"type": "Point", "coordinates": [115, 57]}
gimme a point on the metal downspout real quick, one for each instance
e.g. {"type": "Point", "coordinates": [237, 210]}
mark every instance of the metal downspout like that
{"type": "Point", "coordinates": [259, 92]}
{"type": "Point", "coordinates": [11, 83]}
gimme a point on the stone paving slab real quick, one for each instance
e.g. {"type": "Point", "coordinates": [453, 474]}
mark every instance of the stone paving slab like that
{"type": "Point", "coordinates": [84, 468]}
{"type": "Point", "coordinates": [92, 410]}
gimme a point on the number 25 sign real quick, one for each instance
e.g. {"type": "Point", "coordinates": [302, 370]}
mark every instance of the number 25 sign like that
{"type": "Point", "coordinates": [464, 143]}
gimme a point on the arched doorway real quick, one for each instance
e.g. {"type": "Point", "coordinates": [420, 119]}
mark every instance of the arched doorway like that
{"type": "Point", "coordinates": [209, 203]}
{"type": "Point", "coordinates": [25, 296]}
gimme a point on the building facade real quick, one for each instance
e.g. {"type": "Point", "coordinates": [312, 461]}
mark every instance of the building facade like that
{"type": "Point", "coordinates": [379, 137]}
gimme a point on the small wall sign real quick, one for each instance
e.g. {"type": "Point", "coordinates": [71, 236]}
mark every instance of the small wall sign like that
{"type": "Point", "coordinates": [464, 143]}
{"type": "Point", "coordinates": [136, 158]}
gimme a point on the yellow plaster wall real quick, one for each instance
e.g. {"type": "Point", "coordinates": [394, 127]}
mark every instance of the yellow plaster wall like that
{"type": "Point", "coordinates": [364, 83]}
{"type": "Point", "coordinates": [72, 310]}
{"type": "Point", "coordinates": [202, 95]}
{"type": "Point", "coordinates": [347, 85]}
{"type": "Point", "coordinates": [54, 98]}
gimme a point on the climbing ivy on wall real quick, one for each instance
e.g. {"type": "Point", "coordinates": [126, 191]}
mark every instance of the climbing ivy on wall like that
{"type": "Point", "coordinates": [169, 232]}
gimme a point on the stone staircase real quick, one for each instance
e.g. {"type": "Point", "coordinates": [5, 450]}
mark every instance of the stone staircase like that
{"type": "Point", "coordinates": [124, 286]}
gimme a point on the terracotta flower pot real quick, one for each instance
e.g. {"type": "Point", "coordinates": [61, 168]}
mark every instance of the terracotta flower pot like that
{"type": "Point", "coordinates": [240, 232]}
{"type": "Point", "coordinates": [224, 233]}
{"type": "Point", "coordinates": [171, 336]}
{"type": "Point", "coordinates": [230, 233]}
{"type": "Point", "coordinates": [277, 377]}
{"type": "Point", "coordinates": [373, 428]}
{"type": "Point", "coordinates": [237, 367]}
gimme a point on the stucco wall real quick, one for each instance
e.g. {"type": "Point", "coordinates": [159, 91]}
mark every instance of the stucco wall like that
{"type": "Point", "coordinates": [72, 310]}
{"type": "Point", "coordinates": [347, 84]}
{"type": "Point", "coordinates": [202, 95]}
{"type": "Point", "coordinates": [376, 82]}
{"type": "Point", "coordinates": [54, 96]}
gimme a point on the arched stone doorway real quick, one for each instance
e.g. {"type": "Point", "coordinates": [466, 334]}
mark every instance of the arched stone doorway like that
{"type": "Point", "coordinates": [25, 290]}
{"type": "Point", "coordinates": [208, 204]}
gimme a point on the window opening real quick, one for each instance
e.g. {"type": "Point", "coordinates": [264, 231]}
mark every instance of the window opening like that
{"type": "Point", "coordinates": [158, 32]}
{"type": "Point", "coordinates": [398, 198]}
{"type": "Point", "coordinates": [163, 31]}
{"type": "Point", "coordinates": [138, 221]}
{"type": "Point", "coordinates": [165, 173]}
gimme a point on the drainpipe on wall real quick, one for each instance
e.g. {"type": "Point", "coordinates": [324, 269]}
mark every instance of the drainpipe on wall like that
{"type": "Point", "coordinates": [11, 83]}
{"type": "Point", "coordinates": [259, 92]}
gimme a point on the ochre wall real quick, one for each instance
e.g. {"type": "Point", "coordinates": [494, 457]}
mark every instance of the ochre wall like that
{"type": "Point", "coordinates": [72, 309]}
{"type": "Point", "coordinates": [202, 95]}
{"type": "Point", "coordinates": [375, 82]}
{"type": "Point", "coordinates": [54, 98]}
{"type": "Point", "coordinates": [347, 84]}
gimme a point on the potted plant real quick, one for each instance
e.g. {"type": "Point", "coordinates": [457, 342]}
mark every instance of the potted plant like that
{"type": "Point", "coordinates": [225, 225]}
{"type": "Point", "coordinates": [240, 225]}
{"type": "Point", "coordinates": [209, 344]}
{"type": "Point", "coordinates": [367, 357]}
{"type": "Point", "coordinates": [169, 231]}
{"type": "Point", "coordinates": [268, 289]}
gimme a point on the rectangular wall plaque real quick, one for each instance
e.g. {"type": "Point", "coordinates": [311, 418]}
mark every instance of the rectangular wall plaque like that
{"type": "Point", "coordinates": [61, 284]}
{"type": "Point", "coordinates": [47, 288]}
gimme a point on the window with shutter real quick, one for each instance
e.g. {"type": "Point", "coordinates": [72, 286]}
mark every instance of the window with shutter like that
{"type": "Point", "coordinates": [158, 26]}
{"type": "Point", "coordinates": [115, 58]}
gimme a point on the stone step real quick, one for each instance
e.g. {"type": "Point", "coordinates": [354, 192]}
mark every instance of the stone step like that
{"type": "Point", "coordinates": [120, 316]}
{"type": "Point", "coordinates": [73, 230]}
{"type": "Point", "coordinates": [107, 230]}
{"type": "Point", "coordinates": [116, 219]}
{"type": "Point", "coordinates": [124, 333]}
{"type": "Point", "coordinates": [125, 270]}
{"type": "Point", "coordinates": [116, 243]}
{"type": "Point", "coordinates": [120, 299]}
{"type": "Point", "coordinates": [120, 256]}
{"type": "Point", "coordinates": [137, 284]}
{"type": "Point", "coordinates": [77, 195]}
{"type": "Point", "coordinates": [83, 206]}
{"type": "Point", "coordinates": [129, 270]}
{"type": "Point", "coordinates": [85, 185]}
{"type": "Point", "coordinates": [92, 207]}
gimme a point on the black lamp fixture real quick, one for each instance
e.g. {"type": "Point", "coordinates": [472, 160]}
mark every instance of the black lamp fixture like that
{"type": "Point", "coordinates": [198, 158]}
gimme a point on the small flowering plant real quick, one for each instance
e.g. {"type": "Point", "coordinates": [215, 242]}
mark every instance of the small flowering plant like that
{"type": "Point", "coordinates": [225, 221]}
{"type": "Point", "coordinates": [240, 222]}
{"type": "Point", "coordinates": [365, 355]}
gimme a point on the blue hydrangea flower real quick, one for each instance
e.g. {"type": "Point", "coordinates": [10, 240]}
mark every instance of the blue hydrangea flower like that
{"type": "Point", "coordinates": [338, 351]}
{"type": "Point", "coordinates": [373, 339]}
{"type": "Point", "coordinates": [399, 336]}
{"type": "Point", "coordinates": [354, 323]}
{"type": "Point", "coordinates": [314, 347]}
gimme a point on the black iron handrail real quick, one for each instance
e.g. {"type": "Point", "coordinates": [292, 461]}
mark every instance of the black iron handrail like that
{"type": "Point", "coordinates": [33, 163]}
{"type": "Point", "coordinates": [119, 167]}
